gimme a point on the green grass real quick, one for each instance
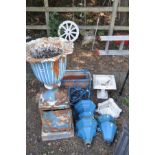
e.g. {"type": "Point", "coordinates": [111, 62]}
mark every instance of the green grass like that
{"type": "Point", "coordinates": [125, 101]}
{"type": "Point", "coordinates": [100, 33]}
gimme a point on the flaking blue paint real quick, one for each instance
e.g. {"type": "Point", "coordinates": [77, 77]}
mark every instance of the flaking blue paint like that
{"type": "Point", "coordinates": [55, 121]}
{"type": "Point", "coordinates": [44, 71]}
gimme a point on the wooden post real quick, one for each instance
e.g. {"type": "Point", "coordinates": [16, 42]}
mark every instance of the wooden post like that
{"type": "Point", "coordinates": [112, 23]}
{"type": "Point", "coordinates": [85, 13]}
{"type": "Point", "coordinates": [73, 12]}
{"type": "Point", "coordinates": [47, 17]}
{"type": "Point", "coordinates": [124, 16]}
{"type": "Point", "coordinates": [114, 12]}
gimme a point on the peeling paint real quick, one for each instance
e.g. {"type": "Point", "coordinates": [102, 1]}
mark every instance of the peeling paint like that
{"type": "Point", "coordinates": [60, 99]}
{"type": "Point", "coordinates": [56, 121]}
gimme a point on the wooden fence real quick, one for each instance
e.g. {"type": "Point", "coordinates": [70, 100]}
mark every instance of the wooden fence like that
{"type": "Point", "coordinates": [114, 9]}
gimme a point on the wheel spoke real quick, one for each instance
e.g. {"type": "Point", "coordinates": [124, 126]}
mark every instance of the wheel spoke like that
{"type": "Point", "coordinates": [74, 28]}
{"type": "Point", "coordinates": [63, 35]}
{"type": "Point", "coordinates": [66, 37]}
{"type": "Point", "coordinates": [64, 27]}
{"type": "Point", "coordinates": [70, 26]}
{"type": "Point", "coordinates": [69, 38]}
{"type": "Point", "coordinates": [67, 25]}
{"type": "Point", "coordinates": [72, 36]}
{"type": "Point", "coordinates": [74, 32]}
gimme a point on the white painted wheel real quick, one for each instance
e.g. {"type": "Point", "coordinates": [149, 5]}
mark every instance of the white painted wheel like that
{"type": "Point", "coordinates": [68, 30]}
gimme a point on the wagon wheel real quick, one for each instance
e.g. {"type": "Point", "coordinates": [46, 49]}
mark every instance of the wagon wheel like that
{"type": "Point", "coordinates": [68, 30]}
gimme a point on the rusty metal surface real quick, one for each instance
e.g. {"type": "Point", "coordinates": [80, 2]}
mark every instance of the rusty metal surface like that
{"type": "Point", "coordinates": [76, 84]}
{"type": "Point", "coordinates": [76, 78]}
{"type": "Point", "coordinates": [56, 121]}
{"type": "Point", "coordinates": [44, 43]}
{"type": "Point", "coordinates": [57, 135]}
{"type": "Point", "coordinates": [62, 101]}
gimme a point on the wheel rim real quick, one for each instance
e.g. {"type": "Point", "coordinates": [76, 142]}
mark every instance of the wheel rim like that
{"type": "Point", "coordinates": [68, 30]}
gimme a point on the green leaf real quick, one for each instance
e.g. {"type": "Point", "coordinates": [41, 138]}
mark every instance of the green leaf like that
{"type": "Point", "coordinates": [54, 23]}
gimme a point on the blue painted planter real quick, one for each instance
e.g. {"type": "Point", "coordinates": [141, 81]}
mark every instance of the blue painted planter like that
{"type": "Point", "coordinates": [108, 131]}
{"type": "Point", "coordinates": [84, 106]}
{"type": "Point", "coordinates": [77, 78]}
{"type": "Point", "coordinates": [86, 115]}
{"type": "Point", "coordinates": [44, 71]}
{"type": "Point", "coordinates": [107, 127]}
{"type": "Point", "coordinates": [86, 124]}
{"type": "Point", "coordinates": [104, 118]}
{"type": "Point", "coordinates": [86, 129]}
